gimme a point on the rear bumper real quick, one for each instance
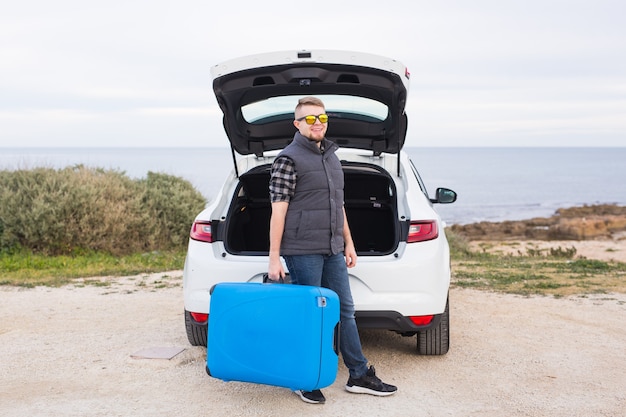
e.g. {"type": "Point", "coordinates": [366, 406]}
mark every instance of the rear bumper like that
{"type": "Point", "coordinates": [392, 320]}
{"type": "Point", "coordinates": [387, 320]}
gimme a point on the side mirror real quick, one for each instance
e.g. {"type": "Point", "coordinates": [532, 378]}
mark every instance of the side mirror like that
{"type": "Point", "coordinates": [444, 196]}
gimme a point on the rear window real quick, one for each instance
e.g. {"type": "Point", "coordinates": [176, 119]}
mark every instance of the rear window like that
{"type": "Point", "coordinates": [345, 107]}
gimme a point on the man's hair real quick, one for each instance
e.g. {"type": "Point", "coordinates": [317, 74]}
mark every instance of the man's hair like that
{"type": "Point", "coordinates": [312, 101]}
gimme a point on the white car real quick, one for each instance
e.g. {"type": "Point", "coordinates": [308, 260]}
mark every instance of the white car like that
{"type": "Point", "coordinates": [402, 276]}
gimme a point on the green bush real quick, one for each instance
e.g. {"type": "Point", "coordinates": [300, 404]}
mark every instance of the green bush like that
{"type": "Point", "coordinates": [172, 204]}
{"type": "Point", "coordinates": [76, 209]}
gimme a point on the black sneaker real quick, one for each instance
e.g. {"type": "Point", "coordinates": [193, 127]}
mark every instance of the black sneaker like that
{"type": "Point", "coordinates": [312, 397]}
{"type": "Point", "coordinates": [370, 384]}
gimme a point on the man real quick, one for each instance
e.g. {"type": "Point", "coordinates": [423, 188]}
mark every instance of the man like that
{"type": "Point", "coordinates": [308, 227]}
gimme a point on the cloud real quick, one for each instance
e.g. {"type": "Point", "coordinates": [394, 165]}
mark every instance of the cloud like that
{"type": "Point", "coordinates": [483, 72]}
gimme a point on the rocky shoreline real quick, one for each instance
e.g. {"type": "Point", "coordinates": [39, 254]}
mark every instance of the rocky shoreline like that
{"type": "Point", "coordinates": [589, 222]}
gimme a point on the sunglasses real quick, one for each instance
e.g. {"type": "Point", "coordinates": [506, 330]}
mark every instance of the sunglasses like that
{"type": "Point", "coordinates": [310, 120]}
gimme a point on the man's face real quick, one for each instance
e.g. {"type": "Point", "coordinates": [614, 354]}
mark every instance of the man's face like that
{"type": "Point", "coordinates": [316, 131]}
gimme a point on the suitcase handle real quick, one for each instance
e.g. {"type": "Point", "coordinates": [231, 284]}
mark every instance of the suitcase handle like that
{"type": "Point", "coordinates": [267, 280]}
{"type": "Point", "coordinates": [336, 337]}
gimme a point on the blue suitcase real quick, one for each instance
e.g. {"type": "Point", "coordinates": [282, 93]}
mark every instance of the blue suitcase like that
{"type": "Point", "coordinates": [282, 335]}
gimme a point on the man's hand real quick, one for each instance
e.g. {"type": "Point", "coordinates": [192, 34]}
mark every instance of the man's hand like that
{"type": "Point", "coordinates": [350, 253]}
{"type": "Point", "coordinates": [275, 270]}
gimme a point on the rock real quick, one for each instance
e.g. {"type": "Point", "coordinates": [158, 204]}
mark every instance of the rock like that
{"type": "Point", "coordinates": [605, 221]}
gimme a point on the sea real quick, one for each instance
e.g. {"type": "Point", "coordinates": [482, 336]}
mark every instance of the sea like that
{"type": "Point", "coordinates": [493, 184]}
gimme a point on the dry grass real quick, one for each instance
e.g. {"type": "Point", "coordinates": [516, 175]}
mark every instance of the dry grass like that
{"type": "Point", "coordinates": [553, 273]}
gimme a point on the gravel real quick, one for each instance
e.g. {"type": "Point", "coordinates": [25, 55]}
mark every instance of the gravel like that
{"type": "Point", "coordinates": [70, 352]}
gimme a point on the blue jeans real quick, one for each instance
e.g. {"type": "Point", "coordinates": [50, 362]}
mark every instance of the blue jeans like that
{"type": "Point", "coordinates": [330, 271]}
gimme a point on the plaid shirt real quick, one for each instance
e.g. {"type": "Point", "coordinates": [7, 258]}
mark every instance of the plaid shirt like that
{"type": "Point", "coordinates": [282, 180]}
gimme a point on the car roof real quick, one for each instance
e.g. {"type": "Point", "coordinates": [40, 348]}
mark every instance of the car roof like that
{"type": "Point", "coordinates": [246, 87]}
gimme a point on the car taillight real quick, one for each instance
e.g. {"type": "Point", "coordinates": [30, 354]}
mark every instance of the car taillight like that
{"type": "Point", "coordinates": [201, 231]}
{"type": "Point", "coordinates": [200, 317]}
{"type": "Point", "coordinates": [422, 231]}
{"type": "Point", "coordinates": [421, 320]}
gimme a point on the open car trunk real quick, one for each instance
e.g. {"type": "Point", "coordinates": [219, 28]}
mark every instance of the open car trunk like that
{"type": "Point", "coordinates": [370, 201]}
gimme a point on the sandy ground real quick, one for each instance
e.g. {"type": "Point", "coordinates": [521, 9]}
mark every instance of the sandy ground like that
{"type": "Point", "coordinates": [604, 250]}
{"type": "Point", "coordinates": [70, 352]}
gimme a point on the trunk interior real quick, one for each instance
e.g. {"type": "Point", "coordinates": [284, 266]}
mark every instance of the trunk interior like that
{"type": "Point", "coordinates": [370, 201]}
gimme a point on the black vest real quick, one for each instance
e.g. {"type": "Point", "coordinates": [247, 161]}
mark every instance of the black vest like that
{"type": "Point", "coordinates": [314, 223]}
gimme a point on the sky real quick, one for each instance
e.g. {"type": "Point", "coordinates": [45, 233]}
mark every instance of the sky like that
{"type": "Point", "coordinates": [120, 73]}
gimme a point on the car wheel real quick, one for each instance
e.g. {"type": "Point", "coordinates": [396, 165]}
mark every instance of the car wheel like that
{"type": "Point", "coordinates": [436, 341]}
{"type": "Point", "coordinates": [196, 332]}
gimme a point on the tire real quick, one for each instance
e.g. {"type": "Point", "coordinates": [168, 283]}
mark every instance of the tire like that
{"type": "Point", "coordinates": [196, 333]}
{"type": "Point", "coordinates": [436, 341]}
